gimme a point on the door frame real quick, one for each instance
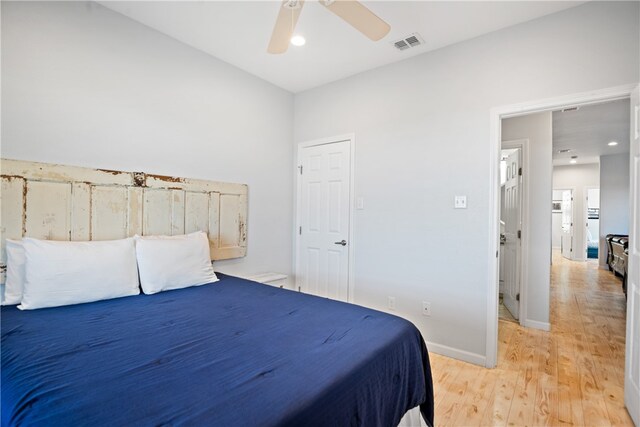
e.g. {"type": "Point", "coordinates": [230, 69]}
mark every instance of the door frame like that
{"type": "Point", "coordinates": [496, 115]}
{"type": "Point", "coordinates": [586, 220]}
{"type": "Point", "coordinates": [573, 191]}
{"type": "Point", "coordinates": [351, 138]}
{"type": "Point", "coordinates": [573, 219]}
{"type": "Point", "coordinates": [631, 391]}
{"type": "Point", "coordinates": [523, 145]}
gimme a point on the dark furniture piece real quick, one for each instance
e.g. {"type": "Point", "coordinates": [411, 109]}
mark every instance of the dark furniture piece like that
{"type": "Point", "coordinates": [617, 259]}
{"type": "Point", "coordinates": [609, 239]}
{"type": "Point", "coordinates": [618, 245]}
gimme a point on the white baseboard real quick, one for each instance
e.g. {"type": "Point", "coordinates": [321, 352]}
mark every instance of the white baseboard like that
{"type": "Point", "coordinates": [535, 324]}
{"type": "Point", "coordinates": [465, 356]}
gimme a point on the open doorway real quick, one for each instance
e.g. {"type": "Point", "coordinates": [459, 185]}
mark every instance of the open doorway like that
{"type": "Point", "coordinates": [563, 222]}
{"type": "Point", "coordinates": [564, 147]}
{"type": "Point", "coordinates": [587, 208]}
{"type": "Point", "coordinates": [566, 222]}
{"type": "Point", "coordinates": [592, 233]}
{"type": "Point", "coordinates": [541, 110]}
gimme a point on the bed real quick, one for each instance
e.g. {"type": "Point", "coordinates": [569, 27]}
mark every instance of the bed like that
{"type": "Point", "coordinates": [232, 353]}
{"type": "Point", "coordinates": [229, 353]}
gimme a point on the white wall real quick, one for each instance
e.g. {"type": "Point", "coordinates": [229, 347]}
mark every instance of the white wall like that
{"type": "Point", "coordinates": [83, 85]}
{"type": "Point", "coordinates": [422, 137]}
{"type": "Point", "coordinates": [579, 178]}
{"type": "Point", "coordinates": [537, 130]}
{"type": "Point", "coordinates": [614, 199]}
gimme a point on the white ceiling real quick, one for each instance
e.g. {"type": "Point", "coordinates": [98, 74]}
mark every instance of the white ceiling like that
{"type": "Point", "coordinates": [588, 130]}
{"type": "Point", "coordinates": [238, 32]}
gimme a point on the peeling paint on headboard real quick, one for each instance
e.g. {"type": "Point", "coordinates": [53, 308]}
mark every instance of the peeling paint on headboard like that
{"type": "Point", "coordinates": [72, 203]}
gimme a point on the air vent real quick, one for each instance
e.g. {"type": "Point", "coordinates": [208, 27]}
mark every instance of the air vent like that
{"type": "Point", "coordinates": [402, 45]}
{"type": "Point", "coordinates": [412, 40]}
{"type": "Point", "coordinates": [565, 110]}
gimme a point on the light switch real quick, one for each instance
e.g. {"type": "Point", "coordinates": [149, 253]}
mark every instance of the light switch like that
{"type": "Point", "coordinates": [460, 202]}
{"type": "Point", "coordinates": [360, 203]}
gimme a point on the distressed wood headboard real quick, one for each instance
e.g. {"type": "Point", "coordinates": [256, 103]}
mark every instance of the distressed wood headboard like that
{"type": "Point", "coordinates": [72, 203]}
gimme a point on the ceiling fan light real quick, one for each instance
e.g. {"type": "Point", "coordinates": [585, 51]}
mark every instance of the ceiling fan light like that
{"type": "Point", "coordinates": [298, 40]}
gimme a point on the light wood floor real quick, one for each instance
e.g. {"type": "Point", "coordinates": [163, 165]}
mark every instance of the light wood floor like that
{"type": "Point", "coordinates": [504, 313]}
{"type": "Point", "coordinates": [572, 375]}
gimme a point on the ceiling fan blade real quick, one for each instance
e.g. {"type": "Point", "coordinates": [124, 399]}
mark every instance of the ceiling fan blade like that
{"type": "Point", "coordinates": [359, 17]}
{"type": "Point", "coordinates": [285, 24]}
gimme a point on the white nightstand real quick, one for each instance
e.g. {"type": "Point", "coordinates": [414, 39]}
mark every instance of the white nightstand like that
{"type": "Point", "coordinates": [278, 280]}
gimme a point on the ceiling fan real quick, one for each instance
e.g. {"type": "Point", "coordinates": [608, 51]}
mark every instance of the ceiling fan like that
{"type": "Point", "coordinates": [353, 12]}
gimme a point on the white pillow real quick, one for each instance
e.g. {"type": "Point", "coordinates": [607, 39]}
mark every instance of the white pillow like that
{"type": "Point", "coordinates": [174, 262]}
{"type": "Point", "coordinates": [15, 273]}
{"type": "Point", "coordinates": [63, 273]}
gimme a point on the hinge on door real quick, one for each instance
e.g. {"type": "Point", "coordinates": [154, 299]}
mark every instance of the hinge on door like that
{"type": "Point", "coordinates": [520, 171]}
{"type": "Point", "coordinates": [497, 254]}
{"type": "Point", "coordinates": [519, 234]}
{"type": "Point", "coordinates": [300, 230]}
{"type": "Point", "coordinates": [300, 167]}
{"type": "Point", "coordinates": [518, 297]}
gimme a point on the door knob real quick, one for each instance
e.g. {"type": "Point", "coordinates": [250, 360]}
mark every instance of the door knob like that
{"type": "Point", "coordinates": [342, 242]}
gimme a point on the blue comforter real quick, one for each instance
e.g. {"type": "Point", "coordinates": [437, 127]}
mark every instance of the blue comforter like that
{"type": "Point", "coordinates": [232, 353]}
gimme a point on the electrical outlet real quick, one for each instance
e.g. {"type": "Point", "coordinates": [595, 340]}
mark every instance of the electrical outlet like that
{"type": "Point", "coordinates": [426, 308]}
{"type": "Point", "coordinates": [391, 301]}
{"type": "Point", "coordinates": [460, 202]}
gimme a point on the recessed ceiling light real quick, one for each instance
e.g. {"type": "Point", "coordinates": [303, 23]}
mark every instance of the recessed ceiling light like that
{"type": "Point", "coordinates": [573, 161]}
{"type": "Point", "coordinates": [565, 150]}
{"type": "Point", "coordinates": [612, 144]}
{"type": "Point", "coordinates": [298, 40]}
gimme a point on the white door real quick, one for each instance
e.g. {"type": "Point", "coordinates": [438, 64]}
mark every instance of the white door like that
{"type": "Point", "coordinates": [324, 212]}
{"type": "Point", "coordinates": [512, 220]}
{"type": "Point", "coordinates": [632, 355]}
{"type": "Point", "coordinates": [567, 224]}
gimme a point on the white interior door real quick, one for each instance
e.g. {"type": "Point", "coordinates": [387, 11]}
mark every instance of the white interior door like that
{"type": "Point", "coordinates": [513, 225]}
{"type": "Point", "coordinates": [324, 214]}
{"type": "Point", "coordinates": [567, 224]}
{"type": "Point", "coordinates": [632, 355]}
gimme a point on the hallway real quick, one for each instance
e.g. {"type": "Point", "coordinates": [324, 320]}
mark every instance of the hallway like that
{"type": "Point", "coordinates": [572, 375]}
